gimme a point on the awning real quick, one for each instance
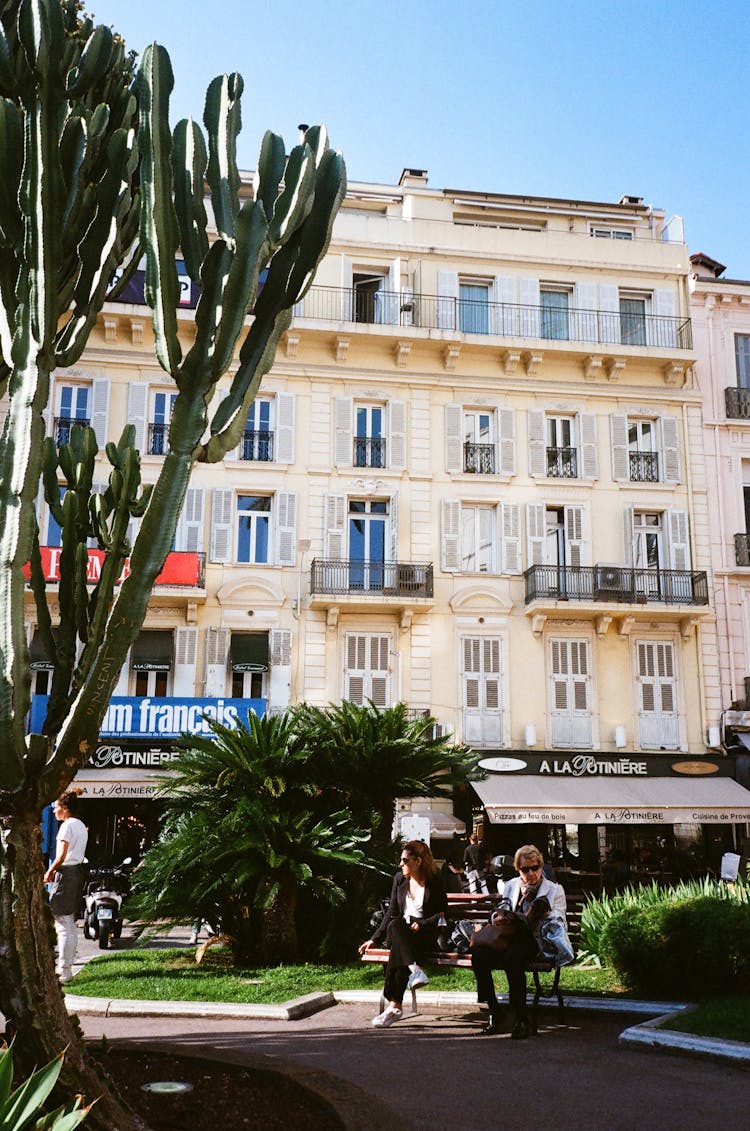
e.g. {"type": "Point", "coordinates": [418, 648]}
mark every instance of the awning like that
{"type": "Point", "coordinates": [152, 652]}
{"type": "Point", "coordinates": [522, 799]}
{"type": "Point", "coordinates": [441, 824]}
{"type": "Point", "coordinates": [100, 785]}
{"type": "Point", "coordinates": [39, 660]}
{"type": "Point", "coordinates": [249, 652]}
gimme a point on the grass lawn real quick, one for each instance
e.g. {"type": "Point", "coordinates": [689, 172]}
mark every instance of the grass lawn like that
{"type": "Point", "coordinates": [727, 1017]}
{"type": "Point", "coordinates": [172, 975]}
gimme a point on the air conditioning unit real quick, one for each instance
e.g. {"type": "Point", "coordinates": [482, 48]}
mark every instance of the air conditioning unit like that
{"type": "Point", "coordinates": [613, 582]}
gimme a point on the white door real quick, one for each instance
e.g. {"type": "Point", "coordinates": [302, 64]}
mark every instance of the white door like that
{"type": "Point", "coordinates": [482, 703]}
{"type": "Point", "coordinates": [657, 696]}
{"type": "Point", "coordinates": [570, 711]}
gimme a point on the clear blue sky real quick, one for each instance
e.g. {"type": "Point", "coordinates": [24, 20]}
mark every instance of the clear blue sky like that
{"type": "Point", "coordinates": [589, 100]}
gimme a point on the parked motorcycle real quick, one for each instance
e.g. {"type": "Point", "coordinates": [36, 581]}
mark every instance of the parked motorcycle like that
{"type": "Point", "coordinates": [104, 892]}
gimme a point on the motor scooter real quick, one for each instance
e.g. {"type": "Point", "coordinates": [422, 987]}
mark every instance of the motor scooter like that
{"type": "Point", "coordinates": [104, 892]}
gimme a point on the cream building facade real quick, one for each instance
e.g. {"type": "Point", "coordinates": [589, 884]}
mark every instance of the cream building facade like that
{"type": "Point", "coordinates": [473, 481]}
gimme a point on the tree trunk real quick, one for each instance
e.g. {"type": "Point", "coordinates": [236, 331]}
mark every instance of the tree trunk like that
{"type": "Point", "coordinates": [279, 929]}
{"type": "Point", "coordinates": [30, 996]}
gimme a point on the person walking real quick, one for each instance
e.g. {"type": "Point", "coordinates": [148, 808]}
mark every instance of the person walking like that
{"type": "Point", "coordinates": [475, 858]}
{"type": "Point", "coordinates": [65, 877]}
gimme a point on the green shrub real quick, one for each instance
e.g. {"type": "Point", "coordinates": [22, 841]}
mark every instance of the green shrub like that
{"type": "Point", "coordinates": [688, 948]}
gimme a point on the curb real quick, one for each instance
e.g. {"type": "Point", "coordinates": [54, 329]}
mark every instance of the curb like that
{"type": "Point", "coordinates": [648, 1034]}
{"type": "Point", "coordinates": [293, 1010]}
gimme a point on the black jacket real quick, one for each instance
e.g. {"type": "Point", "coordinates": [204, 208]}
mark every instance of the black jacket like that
{"type": "Point", "coordinates": [434, 905]}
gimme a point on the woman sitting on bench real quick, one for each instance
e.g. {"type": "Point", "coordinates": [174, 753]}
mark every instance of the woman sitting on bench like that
{"type": "Point", "coordinates": [409, 927]}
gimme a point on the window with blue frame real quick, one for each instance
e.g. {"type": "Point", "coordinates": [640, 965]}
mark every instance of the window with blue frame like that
{"type": "Point", "coordinates": [253, 528]}
{"type": "Point", "coordinates": [368, 521]}
{"type": "Point", "coordinates": [158, 429]}
{"type": "Point", "coordinates": [369, 441]}
{"type": "Point", "coordinates": [474, 308]}
{"type": "Point", "coordinates": [257, 439]}
{"type": "Point", "coordinates": [73, 408]}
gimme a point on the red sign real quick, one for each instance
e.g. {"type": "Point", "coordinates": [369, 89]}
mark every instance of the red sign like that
{"type": "Point", "coordinates": [180, 568]}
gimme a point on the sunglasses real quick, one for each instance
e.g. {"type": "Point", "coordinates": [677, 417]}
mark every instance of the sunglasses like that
{"type": "Point", "coordinates": [530, 868]}
{"type": "Point", "coordinates": [405, 860]}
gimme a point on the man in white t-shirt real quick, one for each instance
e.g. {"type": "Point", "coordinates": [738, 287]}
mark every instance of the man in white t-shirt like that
{"type": "Point", "coordinates": [65, 877]}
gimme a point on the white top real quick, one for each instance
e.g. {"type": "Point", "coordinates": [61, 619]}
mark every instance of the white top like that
{"type": "Point", "coordinates": [76, 834]}
{"type": "Point", "coordinates": [413, 907]}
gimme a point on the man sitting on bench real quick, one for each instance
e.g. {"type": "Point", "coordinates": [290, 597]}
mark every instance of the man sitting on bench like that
{"type": "Point", "coordinates": [529, 885]}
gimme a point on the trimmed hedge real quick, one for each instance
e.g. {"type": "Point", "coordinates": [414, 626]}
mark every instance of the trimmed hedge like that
{"type": "Point", "coordinates": [687, 948]}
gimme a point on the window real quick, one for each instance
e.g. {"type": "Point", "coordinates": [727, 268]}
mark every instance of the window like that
{"type": "Point", "coordinates": [742, 359]}
{"type": "Point", "coordinates": [479, 442]}
{"type": "Point", "coordinates": [249, 662]}
{"type": "Point", "coordinates": [367, 674]}
{"type": "Point", "coordinates": [482, 695]}
{"type": "Point", "coordinates": [480, 538]}
{"type": "Point", "coordinates": [72, 408]}
{"type": "Point", "coordinates": [555, 312]}
{"type": "Point", "coordinates": [368, 528]}
{"type": "Point", "coordinates": [657, 695]}
{"type": "Point", "coordinates": [253, 528]}
{"type": "Point", "coordinates": [257, 439]}
{"type": "Point", "coordinates": [562, 456]}
{"type": "Point", "coordinates": [563, 445]}
{"type": "Point", "coordinates": [369, 438]}
{"type": "Point", "coordinates": [645, 450]}
{"type": "Point", "coordinates": [612, 233]}
{"type": "Point", "coordinates": [633, 315]}
{"type": "Point", "coordinates": [162, 405]}
{"type": "Point", "coordinates": [642, 451]}
{"type": "Point", "coordinates": [570, 706]}
{"type": "Point", "coordinates": [473, 307]}
{"type": "Point", "coordinates": [151, 659]}
{"type": "Point", "coordinates": [478, 526]}
{"type": "Point", "coordinates": [370, 300]}
{"type": "Point", "coordinates": [369, 434]}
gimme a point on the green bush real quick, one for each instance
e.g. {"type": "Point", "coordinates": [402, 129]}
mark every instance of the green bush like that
{"type": "Point", "coordinates": [687, 948]}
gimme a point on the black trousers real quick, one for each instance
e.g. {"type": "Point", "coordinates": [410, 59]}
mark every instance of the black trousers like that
{"type": "Point", "coordinates": [406, 947]}
{"type": "Point", "coordinates": [514, 960]}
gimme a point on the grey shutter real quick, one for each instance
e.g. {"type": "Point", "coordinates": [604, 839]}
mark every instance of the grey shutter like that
{"type": "Point", "coordinates": [609, 313]}
{"type": "Point", "coordinates": [585, 327]}
{"type": "Point", "coordinates": [447, 284]}
{"type": "Point", "coordinates": [506, 294]}
{"type": "Point", "coordinates": [657, 707]}
{"type": "Point", "coordinates": [450, 535]}
{"type": "Point", "coordinates": [396, 454]}
{"type": "Point", "coordinates": [528, 291]}
{"type": "Point", "coordinates": [510, 522]}
{"type": "Point", "coordinates": [189, 533]}
{"type": "Point", "coordinates": [100, 409]}
{"type": "Point", "coordinates": [379, 670]}
{"type": "Point", "coordinates": [537, 442]}
{"type": "Point", "coordinates": [137, 412]}
{"type": "Point", "coordinates": [618, 431]}
{"type": "Point", "coordinates": [454, 438]}
{"type": "Point", "coordinates": [679, 545]}
{"type": "Point", "coordinates": [217, 651]}
{"type": "Point", "coordinates": [222, 516]}
{"type": "Point", "coordinates": [536, 534]}
{"type": "Point", "coordinates": [286, 528]}
{"type": "Point", "coordinates": [392, 535]}
{"type": "Point", "coordinates": [392, 302]}
{"type": "Point", "coordinates": [664, 334]}
{"type": "Point", "coordinates": [335, 527]}
{"type": "Point", "coordinates": [343, 444]}
{"type": "Point", "coordinates": [183, 678]}
{"type": "Point", "coordinates": [628, 535]}
{"type": "Point", "coordinates": [576, 536]}
{"type": "Point", "coordinates": [284, 428]}
{"type": "Point", "coordinates": [507, 440]}
{"type": "Point", "coordinates": [280, 674]}
{"type": "Point", "coordinates": [589, 451]}
{"type": "Point", "coordinates": [670, 449]}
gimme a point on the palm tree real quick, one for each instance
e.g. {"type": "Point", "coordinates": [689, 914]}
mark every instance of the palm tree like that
{"type": "Point", "coordinates": [245, 832]}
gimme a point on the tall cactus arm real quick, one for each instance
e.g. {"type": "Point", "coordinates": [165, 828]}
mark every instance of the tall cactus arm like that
{"type": "Point", "coordinates": [11, 147]}
{"type": "Point", "coordinates": [271, 162]}
{"type": "Point", "coordinates": [39, 589]}
{"type": "Point", "coordinates": [189, 159]}
{"type": "Point", "coordinates": [241, 284]}
{"type": "Point", "coordinates": [223, 121]}
{"type": "Point", "coordinates": [330, 190]}
{"type": "Point", "coordinates": [193, 375]}
{"type": "Point", "coordinates": [159, 229]}
{"type": "Point", "coordinates": [295, 201]}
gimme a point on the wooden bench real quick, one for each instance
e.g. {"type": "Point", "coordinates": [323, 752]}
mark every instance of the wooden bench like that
{"type": "Point", "coordinates": [478, 908]}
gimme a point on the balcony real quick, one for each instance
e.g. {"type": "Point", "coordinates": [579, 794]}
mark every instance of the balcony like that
{"type": "Point", "coordinates": [505, 320]}
{"type": "Point", "coordinates": [644, 467]}
{"type": "Point", "coordinates": [369, 451]}
{"type": "Point", "coordinates": [370, 585]}
{"type": "Point", "coordinates": [562, 463]}
{"type": "Point", "coordinates": [157, 439]}
{"type": "Point", "coordinates": [616, 583]}
{"type": "Point", "coordinates": [479, 459]}
{"type": "Point", "coordinates": [183, 576]}
{"type": "Point", "coordinates": [64, 425]}
{"type": "Point", "coordinates": [256, 446]}
{"type": "Point", "coordinates": [742, 549]}
{"type": "Point", "coordinates": [737, 403]}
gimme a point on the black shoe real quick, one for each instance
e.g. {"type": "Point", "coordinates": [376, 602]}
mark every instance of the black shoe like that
{"type": "Point", "coordinates": [520, 1031]}
{"type": "Point", "coordinates": [494, 1026]}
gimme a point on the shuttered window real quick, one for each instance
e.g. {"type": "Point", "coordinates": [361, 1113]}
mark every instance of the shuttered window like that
{"type": "Point", "coordinates": [570, 707]}
{"type": "Point", "coordinates": [482, 690]}
{"type": "Point", "coordinates": [657, 695]}
{"type": "Point", "coordinates": [367, 675]}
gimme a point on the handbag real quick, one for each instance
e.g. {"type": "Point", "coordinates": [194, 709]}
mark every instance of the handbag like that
{"type": "Point", "coordinates": [506, 927]}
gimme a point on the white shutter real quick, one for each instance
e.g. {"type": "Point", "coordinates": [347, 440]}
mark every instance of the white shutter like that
{"type": "Point", "coordinates": [537, 442]}
{"type": "Point", "coordinates": [343, 443]}
{"type": "Point", "coordinates": [393, 301]}
{"type": "Point", "coordinates": [396, 453]}
{"type": "Point", "coordinates": [609, 313]}
{"type": "Point", "coordinates": [618, 430]}
{"type": "Point", "coordinates": [670, 449]}
{"type": "Point", "coordinates": [447, 285]}
{"type": "Point", "coordinates": [482, 691]}
{"type": "Point", "coordinates": [183, 679]}
{"type": "Point", "coordinates": [679, 545]}
{"type": "Point", "coordinates": [450, 535]}
{"type": "Point", "coordinates": [222, 516]}
{"type": "Point", "coordinates": [570, 695]}
{"type": "Point", "coordinates": [347, 283]}
{"type": "Point", "coordinates": [510, 556]}
{"type": "Point", "coordinates": [286, 528]}
{"type": "Point", "coordinates": [367, 672]}
{"type": "Point", "coordinates": [507, 440]}
{"type": "Point", "coordinates": [589, 451]}
{"type": "Point", "coordinates": [536, 534]}
{"type": "Point", "coordinates": [392, 531]}
{"type": "Point", "coordinates": [657, 695]}
{"type": "Point", "coordinates": [665, 324]}
{"type": "Point", "coordinates": [100, 409]}
{"type": "Point", "coordinates": [137, 412]}
{"type": "Point", "coordinates": [217, 652]}
{"type": "Point", "coordinates": [576, 536]}
{"type": "Point", "coordinates": [628, 535]}
{"type": "Point", "coordinates": [454, 461]}
{"type": "Point", "coordinates": [189, 533]}
{"type": "Point", "coordinates": [585, 328]}
{"type": "Point", "coordinates": [335, 527]}
{"type": "Point", "coordinates": [280, 673]}
{"type": "Point", "coordinates": [528, 290]}
{"type": "Point", "coordinates": [506, 295]}
{"type": "Point", "coordinates": [284, 428]}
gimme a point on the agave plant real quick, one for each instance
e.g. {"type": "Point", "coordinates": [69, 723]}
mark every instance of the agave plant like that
{"type": "Point", "coordinates": [22, 1108]}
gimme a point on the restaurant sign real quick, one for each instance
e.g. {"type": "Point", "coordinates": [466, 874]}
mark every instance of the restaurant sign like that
{"type": "Point", "coordinates": [602, 765]}
{"type": "Point", "coordinates": [615, 815]}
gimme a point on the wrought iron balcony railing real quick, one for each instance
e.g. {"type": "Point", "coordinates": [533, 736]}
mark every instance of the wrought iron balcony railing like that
{"type": "Point", "coordinates": [479, 458]}
{"type": "Point", "coordinates": [644, 467]}
{"type": "Point", "coordinates": [742, 549]}
{"type": "Point", "coordinates": [399, 579]}
{"type": "Point", "coordinates": [503, 319]}
{"type": "Point", "coordinates": [63, 426]}
{"type": "Point", "coordinates": [562, 463]}
{"type": "Point", "coordinates": [257, 446]}
{"type": "Point", "coordinates": [157, 439]}
{"type": "Point", "coordinates": [369, 451]}
{"type": "Point", "coordinates": [622, 584]}
{"type": "Point", "coordinates": [737, 403]}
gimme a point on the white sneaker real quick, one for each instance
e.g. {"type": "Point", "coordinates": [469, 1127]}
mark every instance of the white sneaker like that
{"type": "Point", "coordinates": [418, 978]}
{"type": "Point", "coordinates": [387, 1017]}
{"type": "Point", "coordinates": [65, 975]}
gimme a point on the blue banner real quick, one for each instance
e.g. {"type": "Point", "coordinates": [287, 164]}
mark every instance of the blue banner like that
{"type": "Point", "coordinates": [144, 717]}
